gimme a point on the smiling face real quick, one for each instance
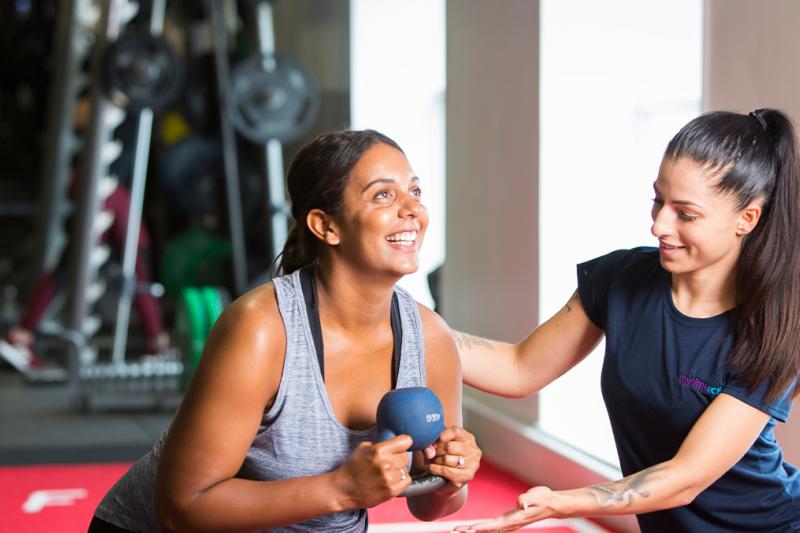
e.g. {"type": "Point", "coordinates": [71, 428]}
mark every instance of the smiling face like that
{"type": "Point", "coordinates": [384, 221]}
{"type": "Point", "coordinates": [698, 228]}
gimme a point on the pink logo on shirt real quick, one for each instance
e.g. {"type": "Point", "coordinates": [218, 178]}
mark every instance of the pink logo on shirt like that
{"type": "Point", "coordinates": [696, 384]}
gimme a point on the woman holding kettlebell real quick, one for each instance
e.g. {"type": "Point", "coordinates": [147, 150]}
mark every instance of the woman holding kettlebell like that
{"type": "Point", "coordinates": [277, 428]}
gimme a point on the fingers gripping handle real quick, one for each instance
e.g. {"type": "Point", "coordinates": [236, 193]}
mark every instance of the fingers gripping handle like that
{"type": "Point", "coordinates": [423, 485]}
{"type": "Point", "coordinates": [416, 412]}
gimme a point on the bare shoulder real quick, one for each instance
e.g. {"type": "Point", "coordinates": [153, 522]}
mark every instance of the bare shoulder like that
{"type": "Point", "coordinates": [440, 347]}
{"type": "Point", "coordinates": [254, 313]}
{"type": "Point", "coordinates": [442, 365]}
{"type": "Point", "coordinates": [436, 330]}
{"type": "Point", "coordinates": [249, 333]}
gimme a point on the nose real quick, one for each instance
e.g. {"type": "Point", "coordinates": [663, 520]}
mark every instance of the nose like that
{"type": "Point", "coordinates": [662, 221]}
{"type": "Point", "coordinates": [410, 206]}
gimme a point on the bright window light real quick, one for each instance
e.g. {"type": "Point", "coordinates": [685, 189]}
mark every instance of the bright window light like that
{"type": "Point", "coordinates": [618, 79]}
{"type": "Point", "coordinates": [397, 83]}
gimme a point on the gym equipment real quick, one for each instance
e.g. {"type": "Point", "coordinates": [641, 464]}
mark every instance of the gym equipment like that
{"type": "Point", "coordinates": [151, 381]}
{"type": "Point", "coordinates": [70, 49]}
{"type": "Point", "coordinates": [270, 99]}
{"type": "Point", "coordinates": [195, 257]}
{"type": "Point", "coordinates": [417, 412]}
{"type": "Point", "coordinates": [191, 321]}
{"type": "Point", "coordinates": [140, 70]}
{"type": "Point", "coordinates": [215, 300]}
{"type": "Point", "coordinates": [198, 310]}
{"type": "Point", "coordinates": [229, 156]}
{"type": "Point", "coordinates": [192, 173]}
{"type": "Point", "coordinates": [273, 97]}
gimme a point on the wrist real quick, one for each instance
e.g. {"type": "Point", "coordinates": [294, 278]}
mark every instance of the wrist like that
{"type": "Point", "coordinates": [559, 505]}
{"type": "Point", "coordinates": [338, 497]}
{"type": "Point", "coordinates": [571, 503]}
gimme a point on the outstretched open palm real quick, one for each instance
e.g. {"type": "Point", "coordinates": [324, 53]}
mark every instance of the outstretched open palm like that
{"type": "Point", "coordinates": [532, 506]}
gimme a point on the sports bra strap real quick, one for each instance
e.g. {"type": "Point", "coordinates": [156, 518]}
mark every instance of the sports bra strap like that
{"type": "Point", "coordinates": [310, 296]}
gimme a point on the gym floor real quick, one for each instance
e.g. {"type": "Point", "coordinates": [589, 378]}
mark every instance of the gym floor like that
{"type": "Point", "coordinates": [56, 462]}
{"type": "Point", "coordinates": [40, 425]}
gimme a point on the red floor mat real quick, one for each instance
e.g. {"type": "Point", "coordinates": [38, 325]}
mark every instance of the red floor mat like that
{"type": "Point", "coordinates": [492, 492]}
{"type": "Point", "coordinates": [53, 499]}
{"type": "Point", "coordinates": [61, 499]}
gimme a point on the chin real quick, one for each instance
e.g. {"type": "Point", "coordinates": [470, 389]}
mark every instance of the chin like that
{"type": "Point", "coordinates": [673, 268]}
{"type": "Point", "coordinates": [665, 264]}
{"type": "Point", "coordinates": [404, 270]}
{"type": "Point", "coordinates": [670, 267]}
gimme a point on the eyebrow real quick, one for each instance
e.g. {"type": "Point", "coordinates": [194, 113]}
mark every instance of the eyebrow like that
{"type": "Point", "coordinates": [679, 202]}
{"type": "Point", "coordinates": [384, 180]}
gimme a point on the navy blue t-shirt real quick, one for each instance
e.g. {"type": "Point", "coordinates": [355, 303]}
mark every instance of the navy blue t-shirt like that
{"type": "Point", "coordinates": [661, 370]}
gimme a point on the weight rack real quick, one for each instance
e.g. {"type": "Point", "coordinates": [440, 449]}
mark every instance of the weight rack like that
{"type": "Point", "coordinates": [152, 381]}
{"type": "Point", "coordinates": [155, 380]}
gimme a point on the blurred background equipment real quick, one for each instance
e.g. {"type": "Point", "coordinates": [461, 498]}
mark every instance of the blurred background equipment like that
{"type": "Point", "coordinates": [157, 129]}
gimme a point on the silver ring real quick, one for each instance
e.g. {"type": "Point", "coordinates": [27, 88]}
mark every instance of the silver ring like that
{"type": "Point", "coordinates": [460, 461]}
{"type": "Point", "coordinates": [402, 474]}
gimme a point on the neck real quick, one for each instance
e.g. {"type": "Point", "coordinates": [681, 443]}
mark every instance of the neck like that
{"type": "Point", "coordinates": [705, 293]}
{"type": "Point", "coordinates": [351, 300]}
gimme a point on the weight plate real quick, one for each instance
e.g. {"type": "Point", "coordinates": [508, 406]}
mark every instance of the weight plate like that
{"type": "Point", "coordinates": [141, 70]}
{"type": "Point", "coordinates": [213, 305]}
{"type": "Point", "coordinates": [183, 338]}
{"type": "Point", "coordinates": [272, 97]}
{"type": "Point", "coordinates": [192, 325]}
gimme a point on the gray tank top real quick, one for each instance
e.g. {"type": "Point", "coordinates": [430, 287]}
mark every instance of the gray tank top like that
{"type": "Point", "coordinates": [298, 436]}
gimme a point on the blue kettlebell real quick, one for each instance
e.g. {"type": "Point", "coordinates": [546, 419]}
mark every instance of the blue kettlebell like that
{"type": "Point", "coordinates": [416, 412]}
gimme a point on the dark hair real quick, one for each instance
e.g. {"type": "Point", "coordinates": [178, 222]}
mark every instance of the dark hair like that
{"type": "Point", "coordinates": [755, 156]}
{"type": "Point", "coordinates": [316, 180]}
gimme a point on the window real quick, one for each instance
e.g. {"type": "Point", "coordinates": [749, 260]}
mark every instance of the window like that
{"type": "Point", "coordinates": [397, 85]}
{"type": "Point", "coordinates": [618, 79]}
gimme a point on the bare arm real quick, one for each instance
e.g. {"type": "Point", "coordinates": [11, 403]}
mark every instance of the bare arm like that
{"type": "Point", "coordinates": [444, 378]}
{"type": "Point", "coordinates": [238, 376]}
{"type": "Point", "coordinates": [518, 370]}
{"type": "Point", "coordinates": [719, 438]}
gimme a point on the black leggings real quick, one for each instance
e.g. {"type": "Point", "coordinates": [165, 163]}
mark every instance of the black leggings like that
{"type": "Point", "coordinates": [101, 526]}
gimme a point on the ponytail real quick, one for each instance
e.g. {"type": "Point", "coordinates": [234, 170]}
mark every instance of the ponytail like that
{"type": "Point", "coordinates": [297, 252]}
{"type": "Point", "coordinates": [768, 275]}
{"type": "Point", "coordinates": [755, 157]}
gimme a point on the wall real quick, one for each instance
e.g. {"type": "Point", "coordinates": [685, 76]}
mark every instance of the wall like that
{"type": "Point", "coordinates": [752, 53]}
{"type": "Point", "coordinates": [491, 271]}
{"type": "Point", "coordinates": [490, 275]}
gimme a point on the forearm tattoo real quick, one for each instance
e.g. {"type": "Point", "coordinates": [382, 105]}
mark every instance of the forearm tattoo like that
{"type": "Point", "coordinates": [571, 299]}
{"type": "Point", "coordinates": [468, 341]}
{"type": "Point", "coordinates": [624, 492]}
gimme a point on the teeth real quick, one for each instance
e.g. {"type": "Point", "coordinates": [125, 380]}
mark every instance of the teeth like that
{"type": "Point", "coordinates": [403, 236]}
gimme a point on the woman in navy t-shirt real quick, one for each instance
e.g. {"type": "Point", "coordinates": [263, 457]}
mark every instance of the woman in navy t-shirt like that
{"type": "Point", "coordinates": [702, 337]}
